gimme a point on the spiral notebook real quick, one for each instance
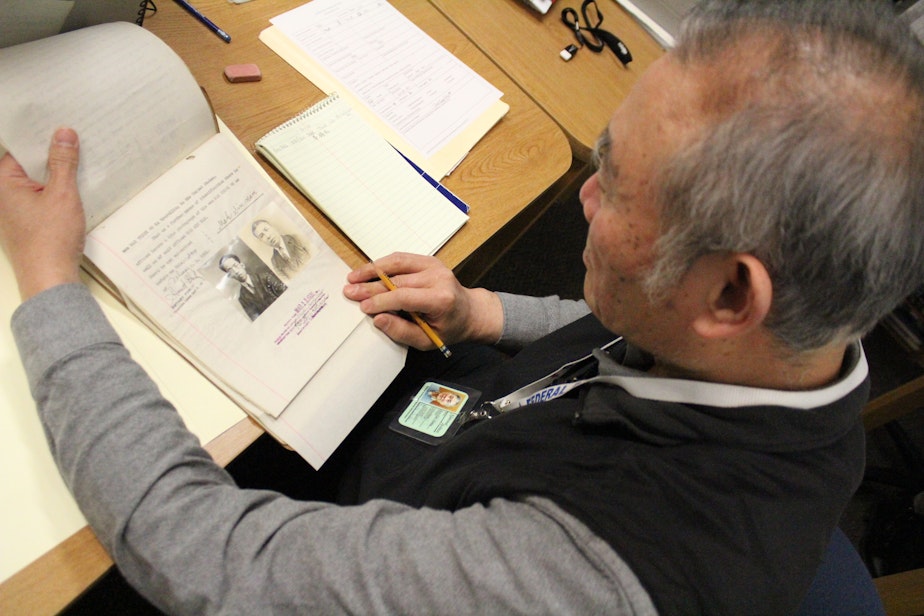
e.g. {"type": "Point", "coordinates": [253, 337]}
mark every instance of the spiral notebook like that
{"type": "Point", "coordinates": [361, 183]}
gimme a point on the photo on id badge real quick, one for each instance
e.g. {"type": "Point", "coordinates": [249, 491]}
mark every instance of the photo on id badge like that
{"type": "Point", "coordinates": [435, 412]}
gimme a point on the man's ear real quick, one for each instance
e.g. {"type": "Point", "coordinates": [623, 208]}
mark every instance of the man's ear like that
{"type": "Point", "coordinates": [736, 297]}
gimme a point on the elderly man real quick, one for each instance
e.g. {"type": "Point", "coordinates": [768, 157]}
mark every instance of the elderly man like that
{"type": "Point", "coordinates": [757, 208]}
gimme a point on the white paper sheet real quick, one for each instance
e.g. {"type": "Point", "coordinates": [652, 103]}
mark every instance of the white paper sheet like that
{"type": "Point", "coordinates": [164, 249]}
{"type": "Point", "coordinates": [410, 81]}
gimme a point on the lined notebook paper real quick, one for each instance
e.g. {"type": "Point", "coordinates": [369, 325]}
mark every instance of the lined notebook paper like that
{"type": "Point", "coordinates": [360, 182]}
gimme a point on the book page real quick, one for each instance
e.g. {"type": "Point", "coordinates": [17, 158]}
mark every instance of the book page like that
{"type": "Point", "coordinates": [409, 80]}
{"type": "Point", "coordinates": [133, 102]}
{"type": "Point", "coordinates": [360, 182]}
{"type": "Point", "coordinates": [327, 409]}
{"type": "Point", "coordinates": [226, 267]}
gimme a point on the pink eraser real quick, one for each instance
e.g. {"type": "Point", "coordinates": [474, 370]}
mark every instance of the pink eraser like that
{"type": "Point", "coordinates": [243, 72]}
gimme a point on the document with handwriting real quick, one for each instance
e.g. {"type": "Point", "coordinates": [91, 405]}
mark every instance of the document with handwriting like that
{"type": "Point", "coordinates": [394, 67]}
{"type": "Point", "coordinates": [235, 276]}
{"type": "Point", "coordinates": [415, 93]}
{"type": "Point", "coordinates": [194, 237]}
{"type": "Point", "coordinates": [163, 113]}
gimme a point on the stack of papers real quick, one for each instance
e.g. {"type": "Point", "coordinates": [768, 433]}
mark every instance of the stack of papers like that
{"type": "Point", "coordinates": [427, 103]}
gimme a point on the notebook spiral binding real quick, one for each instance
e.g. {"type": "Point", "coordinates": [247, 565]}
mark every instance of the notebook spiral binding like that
{"type": "Point", "coordinates": [143, 9]}
{"type": "Point", "coordinates": [315, 109]}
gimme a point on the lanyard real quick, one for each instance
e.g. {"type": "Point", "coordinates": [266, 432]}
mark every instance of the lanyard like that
{"type": "Point", "coordinates": [549, 387]}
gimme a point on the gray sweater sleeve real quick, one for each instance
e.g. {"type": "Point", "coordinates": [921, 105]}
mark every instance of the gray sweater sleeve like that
{"type": "Point", "coordinates": [194, 543]}
{"type": "Point", "coordinates": [529, 318]}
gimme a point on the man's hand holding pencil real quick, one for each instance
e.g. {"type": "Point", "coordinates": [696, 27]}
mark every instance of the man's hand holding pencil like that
{"type": "Point", "coordinates": [424, 289]}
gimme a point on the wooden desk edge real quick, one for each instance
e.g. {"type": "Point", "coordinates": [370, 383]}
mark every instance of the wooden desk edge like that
{"type": "Point", "coordinates": [902, 594]}
{"type": "Point", "coordinates": [894, 404]}
{"type": "Point", "coordinates": [227, 445]}
{"type": "Point", "coordinates": [51, 582]}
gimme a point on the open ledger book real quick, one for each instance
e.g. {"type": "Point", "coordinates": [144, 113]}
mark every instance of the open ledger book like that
{"type": "Point", "coordinates": [194, 237]}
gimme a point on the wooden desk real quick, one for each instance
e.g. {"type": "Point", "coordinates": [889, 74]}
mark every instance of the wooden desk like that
{"type": "Point", "coordinates": [501, 179]}
{"type": "Point", "coordinates": [581, 94]}
{"type": "Point", "coordinates": [519, 159]}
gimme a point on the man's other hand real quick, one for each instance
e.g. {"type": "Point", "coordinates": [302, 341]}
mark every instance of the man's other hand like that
{"type": "Point", "coordinates": [42, 227]}
{"type": "Point", "coordinates": [430, 289]}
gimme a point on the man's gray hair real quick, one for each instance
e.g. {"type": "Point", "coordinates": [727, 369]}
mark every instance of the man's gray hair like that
{"type": "Point", "coordinates": [813, 161]}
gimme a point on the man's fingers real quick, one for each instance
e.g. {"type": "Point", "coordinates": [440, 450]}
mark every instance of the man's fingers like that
{"type": "Point", "coordinates": [402, 331]}
{"type": "Point", "coordinates": [9, 166]}
{"type": "Point", "coordinates": [13, 171]}
{"type": "Point", "coordinates": [406, 299]}
{"type": "Point", "coordinates": [63, 156]}
{"type": "Point", "coordinates": [395, 264]}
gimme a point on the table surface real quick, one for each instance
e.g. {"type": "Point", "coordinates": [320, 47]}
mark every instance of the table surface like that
{"type": "Point", "coordinates": [581, 94]}
{"type": "Point", "coordinates": [507, 170]}
{"type": "Point", "coordinates": [501, 179]}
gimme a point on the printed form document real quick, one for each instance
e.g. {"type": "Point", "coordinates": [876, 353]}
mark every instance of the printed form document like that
{"type": "Point", "coordinates": [383, 63]}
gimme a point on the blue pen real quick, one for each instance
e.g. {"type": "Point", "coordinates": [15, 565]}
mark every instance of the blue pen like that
{"type": "Point", "coordinates": [459, 203]}
{"type": "Point", "coordinates": [205, 20]}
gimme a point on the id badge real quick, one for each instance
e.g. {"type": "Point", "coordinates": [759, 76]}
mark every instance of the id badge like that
{"type": "Point", "coordinates": [436, 412]}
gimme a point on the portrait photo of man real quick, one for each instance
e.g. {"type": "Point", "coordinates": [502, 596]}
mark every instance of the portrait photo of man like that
{"type": "Point", "coordinates": [290, 253]}
{"type": "Point", "coordinates": [258, 286]}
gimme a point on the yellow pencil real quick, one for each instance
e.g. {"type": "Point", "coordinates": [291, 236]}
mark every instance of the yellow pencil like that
{"type": "Point", "coordinates": [432, 335]}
